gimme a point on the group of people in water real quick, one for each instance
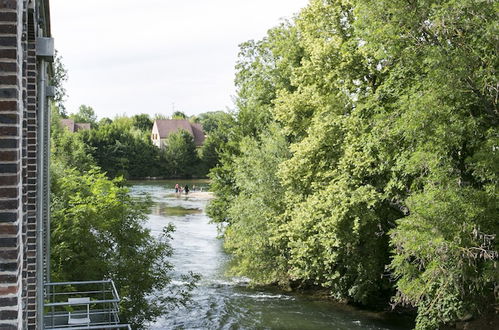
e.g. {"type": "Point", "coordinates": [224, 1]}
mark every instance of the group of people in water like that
{"type": "Point", "coordinates": [179, 189]}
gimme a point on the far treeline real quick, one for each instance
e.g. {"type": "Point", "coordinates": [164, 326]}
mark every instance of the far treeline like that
{"type": "Point", "coordinates": [364, 156]}
{"type": "Point", "coordinates": [123, 146]}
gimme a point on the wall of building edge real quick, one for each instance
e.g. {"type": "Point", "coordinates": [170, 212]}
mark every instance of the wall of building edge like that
{"type": "Point", "coordinates": [19, 152]}
{"type": "Point", "coordinates": [11, 189]}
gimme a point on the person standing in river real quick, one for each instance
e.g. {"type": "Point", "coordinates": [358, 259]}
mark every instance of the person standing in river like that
{"type": "Point", "coordinates": [176, 188]}
{"type": "Point", "coordinates": [186, 188]}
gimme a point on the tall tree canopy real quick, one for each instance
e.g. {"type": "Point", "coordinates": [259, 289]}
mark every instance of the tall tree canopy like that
{"type": "Point", "coordinates": [180, 153]}
{"type": "Point", "coordinates": [85, 114]}
{"type": "Point", "coordinates": [142, 122]}
{"type": "Point", "coordinates": [122, 149]}
{"type": "Point", "coordinates": [58, 79]}
{"type": "Point", "coordinates": [388, 184]}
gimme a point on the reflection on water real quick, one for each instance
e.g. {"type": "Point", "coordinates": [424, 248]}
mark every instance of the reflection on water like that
{"type": "Point", "coordinates": [222, 302]}
{"type": "Point", "coordinates": [165, 210]}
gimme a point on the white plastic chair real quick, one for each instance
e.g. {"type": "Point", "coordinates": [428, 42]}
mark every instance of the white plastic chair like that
{"type": "Point", "coordinates": [72, 319]}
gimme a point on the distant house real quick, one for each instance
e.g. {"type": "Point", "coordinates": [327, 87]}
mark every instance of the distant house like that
{"type": "Point", "coordinates": [74, 127]}
{"type": "Point", "coordinates": [163, 128]}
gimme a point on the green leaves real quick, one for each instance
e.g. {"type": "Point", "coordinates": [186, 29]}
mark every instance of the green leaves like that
{"type": "Point", "coordinates": [85, 114]}
{"type": "Point", "coordinates": [124, 148]}
{"type": "Point", "coordinates": [253, 237]}
{"type": "Point", "coordinates": [389, 109]}
{"type": "Point", "coordinates": [451, 275]}
{"type": "Point", "coordinates": [98, 232]}
{"type": "Point", "coordinates": [180, 154]}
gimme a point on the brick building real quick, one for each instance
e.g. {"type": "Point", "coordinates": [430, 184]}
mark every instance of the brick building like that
{"type": "Point", "coordinates": [26, 51]}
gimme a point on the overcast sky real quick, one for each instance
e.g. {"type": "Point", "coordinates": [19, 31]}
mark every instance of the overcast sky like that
{"type": "Point", "coordinates": [150, 56]}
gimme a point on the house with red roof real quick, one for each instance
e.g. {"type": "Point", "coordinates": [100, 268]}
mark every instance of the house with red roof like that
{"type": "Point", "coordinates": [162, 128]}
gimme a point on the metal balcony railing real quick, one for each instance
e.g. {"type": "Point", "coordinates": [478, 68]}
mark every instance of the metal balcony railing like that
{"type": "Point", "coordinates": [82, 305]}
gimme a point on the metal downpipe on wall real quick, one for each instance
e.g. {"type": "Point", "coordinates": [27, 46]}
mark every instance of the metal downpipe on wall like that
{"type": "Point", "coordinates": [41, 182]}
{"type": "Point", "coordinates": [46, 186]}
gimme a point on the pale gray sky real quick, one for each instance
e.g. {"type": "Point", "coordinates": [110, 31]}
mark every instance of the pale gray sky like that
{"type": "Point", "coordinates": [141, 56]}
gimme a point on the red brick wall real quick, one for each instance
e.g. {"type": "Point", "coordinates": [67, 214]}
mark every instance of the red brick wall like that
{"type": "Point", "coordinates": [17, 166]}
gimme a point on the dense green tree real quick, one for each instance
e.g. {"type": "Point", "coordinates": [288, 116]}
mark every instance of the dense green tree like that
{"type": "Point", "coordinates": [120, 149]}
{"type": "Point", "coordinates": [68, 149]}
{"type": "Point", "coordinates": [336, 219]}
{"type": "Point", "coordinates": [445, 255]}
{"type": "Point", "coordinates": [263, 69]}
{"type": "Point", "coordinates": [142, 122]}
{"type": "Point", "coordinates": [254, 238]}
{"type": "Point", "coordinates": [260, 72]}
{"type": "Point", "coordinates": [179, 115]}
{"type": "Point", "coordinates": [219, 130]}
{"type": "Point", "coordinates": [209, 152]}
{"type": "Point", "coordinates": [390, 187]}
{"type": "Point", "coordinates": [104, 121]}
{"type": "Point", "coordinates": [180, 154]}
{"type": "Point", "coordinates": [98, 232]}
{"type": "Point", "coordinates": [85, 114]}
{"type": "Point", "coordinates": [438, 112]}
{"type": "Point", "coordinates": [58, 79]}
{"type": "Point", "coordinates": [214, 120]}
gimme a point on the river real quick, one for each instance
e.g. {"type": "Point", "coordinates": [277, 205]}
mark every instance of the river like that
{"type": "Point", "coordinates": [222, 302]}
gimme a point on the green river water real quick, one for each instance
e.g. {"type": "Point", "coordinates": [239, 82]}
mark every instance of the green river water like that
{"type": "Point", "coordinates": [223, 302]}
